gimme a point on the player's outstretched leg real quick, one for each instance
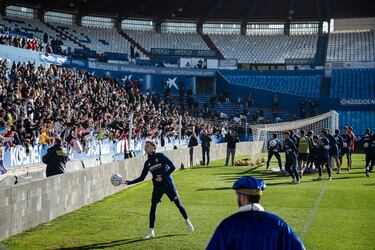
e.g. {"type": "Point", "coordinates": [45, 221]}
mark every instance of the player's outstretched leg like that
{"type": "Point", "coordinates": [182, 210]}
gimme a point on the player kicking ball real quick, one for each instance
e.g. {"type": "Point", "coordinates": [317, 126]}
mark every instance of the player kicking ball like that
{"type": "Point", "coordinates": [161, 169]}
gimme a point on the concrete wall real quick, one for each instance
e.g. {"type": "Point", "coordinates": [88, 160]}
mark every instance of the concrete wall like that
{"type": "Point", "coordinates": [27, 205]}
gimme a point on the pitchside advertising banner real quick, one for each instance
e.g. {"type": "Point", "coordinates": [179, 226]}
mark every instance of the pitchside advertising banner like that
{"type": "Point", "coordinates": [17, 157]}
{"type": "Point", "coordinates": [183, 52]}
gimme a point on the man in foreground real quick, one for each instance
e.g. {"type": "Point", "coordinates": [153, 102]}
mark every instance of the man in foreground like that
{"type": "Point", "coordinates": [252, 227]}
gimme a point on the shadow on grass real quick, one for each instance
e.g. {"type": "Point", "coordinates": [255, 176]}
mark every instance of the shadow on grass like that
{"type": "Point", "coordinates": [368, 184]}
{"type": "Point", "coordinates": [213, 189]}
{"type": "Point", "coordinates": [204, 167]}
{"type": "Point", "coordinates": [249, 170]}
{"type": "Point", "coordinates": [117, 243]}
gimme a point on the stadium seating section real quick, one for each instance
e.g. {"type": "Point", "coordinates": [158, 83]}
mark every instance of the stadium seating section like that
{"type": "Point", "coordinates": [99, 39]}
{"type": "Point", "coordinates": [342, 47]}
{"type": "Point", "coordinates": [353, 83]}
{"type": "Point", "coordinates": [359, 120]}
{"type": "Point", "coordinates": [307, 86]}
{"type": "Point", "coordinates": [152, 39]}
{"type": "Point", "coordinates": [36, 29]}
{"type": "Point", "coordinates": [266, 48]}
{"type": "Point", "coordinates": [351, 47]}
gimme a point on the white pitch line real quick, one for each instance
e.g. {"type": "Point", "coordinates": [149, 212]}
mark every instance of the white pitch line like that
{"type": "Point", "coordinates": [313, 211]}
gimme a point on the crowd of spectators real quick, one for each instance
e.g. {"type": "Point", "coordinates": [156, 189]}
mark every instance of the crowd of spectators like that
{"type": "Point", "coordinates": [38, 104]}
{"type": "Point", "coordinates": [20, 42]}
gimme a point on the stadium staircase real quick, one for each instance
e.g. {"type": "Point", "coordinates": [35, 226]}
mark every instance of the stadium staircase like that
{"type": "Point", "coordinates": [66, 35]}
{"type": "Point", "coordinates": [212, 46]}
{"type": "Point", "coordinates": [321, 50]}
{"type": "Point", "coordinates": [135, 43]}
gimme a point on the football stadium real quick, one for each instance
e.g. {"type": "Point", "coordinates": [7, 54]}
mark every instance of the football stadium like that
{"type": "Point", "coordinates": [174, 124]}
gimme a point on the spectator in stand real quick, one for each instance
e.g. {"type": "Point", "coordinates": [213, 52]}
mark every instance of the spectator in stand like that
{"type": "Point", "coordinates": [314, 108]}
{"type": "Point", "coordinates": [45, 37]}
{"type": "Point", "coordinates": [250, 100]}
{"type": "Point", "coordinates": [226, 95]}
{"type": "Point", "coordinates": [275, 103]}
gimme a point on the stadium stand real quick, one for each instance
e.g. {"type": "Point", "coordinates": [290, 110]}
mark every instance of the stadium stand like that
{"type": "Point", "coordinates": [34, 114]}
{"type": "Point", "coordinates": [36, 29]}
{"type": "Point", "coordinates": [99, 39]}
{"type": "Point", "coordinates": [152, 39]}
{"type": "Point", "coordinates": [307, 86]}
{"type": "Point", "coordinates": [266, 48]}
{"type": "Point", "coordinates": [351, 47]}
{"type": "Point", "coordinates": [359, 120]}
{"type": "Point", "coordinates": [353, 83]}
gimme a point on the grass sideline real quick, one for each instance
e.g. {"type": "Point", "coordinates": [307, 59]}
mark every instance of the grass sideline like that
{"type": "Point", "coordinates": [343, 219]}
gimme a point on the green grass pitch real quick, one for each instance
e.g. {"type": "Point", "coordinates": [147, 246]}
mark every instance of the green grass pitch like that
{"type": "Point", "coordinates": [343, 218]}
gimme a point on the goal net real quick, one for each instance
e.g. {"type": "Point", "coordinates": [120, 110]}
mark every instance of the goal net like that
{"type": "Point", "coordinates": [263, 132]}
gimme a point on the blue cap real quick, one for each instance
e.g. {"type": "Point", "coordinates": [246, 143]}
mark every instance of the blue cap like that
{"type": "Point", "coordinates": [249, 185]}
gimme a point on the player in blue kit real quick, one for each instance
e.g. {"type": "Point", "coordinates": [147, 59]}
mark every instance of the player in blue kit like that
{"type": "Point", "coordinates": [161, 169]}
{"type": "Point", "coordinates": [346, 150]}
{"type": "Point", "coordinates": [324, 155]}
{"type": "Point", "coordinates": [340, 143]}
{"type": "Point", "coordinates": [365, 142]}
{"type": "Point", "coordinates": [290, 150]}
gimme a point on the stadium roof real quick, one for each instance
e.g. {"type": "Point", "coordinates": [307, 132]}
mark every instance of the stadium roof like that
{"type": "Point", "coordinates": [203, 10]}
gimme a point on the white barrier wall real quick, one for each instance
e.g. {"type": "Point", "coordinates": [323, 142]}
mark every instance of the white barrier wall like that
{"type": "Point", "coordinates": [27, 205]}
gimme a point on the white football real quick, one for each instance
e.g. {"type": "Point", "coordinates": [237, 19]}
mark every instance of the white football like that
{"type": "Point", "coordinates": [345, 145]}
{"type": "Point", "coordinates": [365, 145]}
{"type": "Point", "coordinates": [116, 180]}
{"type": "Point", "coordinates": [273, 143]}
{"type": "Point", "coordinates": [326, 147]}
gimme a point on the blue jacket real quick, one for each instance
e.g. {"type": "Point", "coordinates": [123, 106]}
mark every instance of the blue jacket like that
{"type": "Point", "coordinates": [254, 230]}
{"type": "Point", "coordinates": [324, 153]}
{"type": "Point", "coordinates": [157, 164]}
{"type": "Point", "coordinates": [290, 151]}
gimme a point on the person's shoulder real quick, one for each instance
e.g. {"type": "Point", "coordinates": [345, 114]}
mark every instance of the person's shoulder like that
{"type": "Point", "coordinates": [262, 217]}
{"type": "Point", "coordinates": [159, 154]}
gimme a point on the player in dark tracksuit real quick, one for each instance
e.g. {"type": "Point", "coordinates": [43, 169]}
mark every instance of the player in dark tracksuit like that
{"type": "Point", "coordinates": [347, 140]}
{"type": "Point", "coordinates": [333, 151]}
{"type": "Point", "coordinates": [290, 157]}
{"type": "Point", "coordinates": [324, 155]}
{"type": "Point", "coordinates": [309, 164]}
{"type": "Point", "coordinates": [371, 152]}
{"type": "Point", "coordinates": [315, 151]}
{"type": "Point", "coordinates": [365, 142]}
{"type": "Point", "coordinates": [161, 169]}
{"type": "Point", "coordinates": [340, 143]}
{"type": "Point", "coordinates": [293, 137]}
{"type": "Point", "coordinates": [274, 151]}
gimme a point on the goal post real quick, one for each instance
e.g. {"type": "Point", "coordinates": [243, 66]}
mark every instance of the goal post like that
{"type": "Point", "coordinates": [263, 132]}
